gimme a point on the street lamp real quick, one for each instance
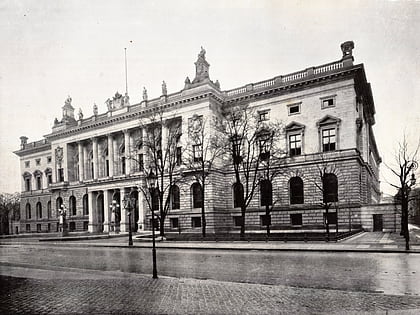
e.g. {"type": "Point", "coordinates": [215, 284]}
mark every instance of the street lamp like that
{"type": "Point", "coordinates": [114, 209]}
{"type": "Point", "coordinates": [151, 185]}
{"type": "Point", "coordinates": [128, 204]}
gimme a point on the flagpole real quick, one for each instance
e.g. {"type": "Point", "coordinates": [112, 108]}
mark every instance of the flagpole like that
{"type": "Point", "coordinates": [126, 83]}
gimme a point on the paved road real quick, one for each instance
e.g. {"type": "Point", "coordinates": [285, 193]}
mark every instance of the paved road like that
{"type": "Point", "coordinates": [397, 274]}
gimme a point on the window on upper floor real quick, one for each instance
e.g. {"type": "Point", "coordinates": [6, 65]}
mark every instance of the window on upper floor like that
{"type": "Point", "coordinates": [295, 144]}
{"type": "Point", "coordinates": [61, 175]}
{"type": "Point", "coordinates": [48, 159]}
{"type": "Point", "coordinates": [198, 152]}
{"type": "Point", "coordinates": [27, 164]}
{"type": "Point", "coordinates": [140, 162]}
{"type": "Point", "coordinates": [263, 115]}
{"type": "Point", "coordinates": [38, 182]}
{"type": "Point", "coordinates": [178, 156]}
{"type": "Point", "coordinates": [328, 101]}
{"type": "Point", "coordinates": [293, 109]}
{"type": "Point", "coordinates": [295, 133]}
{"type": "Point", "coordinates": [38, 162]}
{"type": "Point", "coordinates": [328, 140]}
{"type": "Point", "coordinates": [27, 184]}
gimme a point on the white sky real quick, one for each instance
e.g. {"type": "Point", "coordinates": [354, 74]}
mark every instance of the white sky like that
{"type": "Point", "coordinates": [51, 49]}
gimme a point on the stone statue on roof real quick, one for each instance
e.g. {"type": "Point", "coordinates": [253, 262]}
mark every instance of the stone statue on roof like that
{"type": "Point", "coordinates": [202, 53]}
{"type": "Point", "coordinates": [144, 94]}
{"type": "Point", "coordinates": [164, 90]}
{"type": "Point", "coordinates": [95, 109]}
{"type": "Point", "coordinates": [108, 103]}
{"type": "Point", "coordinates": [80, 114]}
{"type": "Point", "coordinates": [68, 101]}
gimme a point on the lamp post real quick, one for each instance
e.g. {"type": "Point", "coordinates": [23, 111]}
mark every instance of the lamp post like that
{"type": "Point", "coordinates": [128, 205]}
{"type": "Point", "coordinates": [151, 181]}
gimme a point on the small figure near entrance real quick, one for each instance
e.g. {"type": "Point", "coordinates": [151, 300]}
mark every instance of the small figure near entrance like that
{"type": "Point", "coordinates": [63, 228]}
{"type": "Point", "coordinates": [114, 216]}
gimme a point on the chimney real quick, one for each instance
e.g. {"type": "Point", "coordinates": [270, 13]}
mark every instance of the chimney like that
{"type": "Point", "coordinates": [23, 142]}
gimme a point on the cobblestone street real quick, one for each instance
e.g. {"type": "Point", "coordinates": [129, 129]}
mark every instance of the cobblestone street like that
{"type": "Point", "coordinates": [138, 294]}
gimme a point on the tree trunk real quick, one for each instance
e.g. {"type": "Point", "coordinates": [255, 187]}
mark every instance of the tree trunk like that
{"type": "Point", "coordinates": [327, 225]}
{"type": "Point", "coordinates": [203, 214]}
{"type": "Point", "coordinates": [267, 213]}
{"type": "Point", "coordinates": [243, 223]}
{"type": "Point", "coordinates": [404, 221]}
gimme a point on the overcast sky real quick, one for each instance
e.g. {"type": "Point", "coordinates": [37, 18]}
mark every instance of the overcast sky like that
{"type": "Point", "coordinates": [51, 49]}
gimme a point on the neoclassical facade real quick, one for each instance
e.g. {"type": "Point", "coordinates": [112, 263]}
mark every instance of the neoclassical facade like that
{"type": "Point", "coordinates": [87, 162]}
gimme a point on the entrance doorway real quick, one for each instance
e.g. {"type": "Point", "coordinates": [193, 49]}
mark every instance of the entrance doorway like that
{"type": "Point", "coordinates": [377, 223]}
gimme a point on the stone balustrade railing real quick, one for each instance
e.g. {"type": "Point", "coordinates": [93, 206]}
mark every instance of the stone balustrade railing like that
{"type": "Point", "coordinates": [284, 79]}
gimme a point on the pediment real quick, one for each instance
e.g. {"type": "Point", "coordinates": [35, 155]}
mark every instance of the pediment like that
{"type": "Point", "coordinates": [328, 120]}
{"type": "Point", "coordinates": [295, 126]}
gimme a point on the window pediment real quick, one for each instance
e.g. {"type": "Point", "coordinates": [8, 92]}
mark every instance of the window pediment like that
{"type": "Point", "coordinates": [328, 120]}
{"type": "Point", "coordinates": [27, 175]}
{"type": "Point", "coordinates": [295, 126]}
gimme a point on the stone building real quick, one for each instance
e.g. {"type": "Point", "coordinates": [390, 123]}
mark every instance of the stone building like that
{"type": "Point", "coordinates": [86, 163]}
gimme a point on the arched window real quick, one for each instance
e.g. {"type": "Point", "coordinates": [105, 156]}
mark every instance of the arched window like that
{"type": "Point", "coordinates": [38, 179]}
{"type": "Point", "coordinates": [123, 166]}
{"type": "Point", "coordinates": [296, 190]}
{"type": "Point", "coordinates": [27, 178]}
{"type": "Point", "coordinates": [238, 195]}
{"type": "Point", "coordinates": [58, 203]}
{"type": "Point", "coordinates": [49, 209]}
{"type": "Point", "coordinates": [38, 210]}
{"type": "Point", "coordinates": [155, 199]}
{"type": "Point", "coordinates": [266, 190]}
{"type": "Point", "coordinates": [72, 205]}
{"type": "Point", "coordinates": [28, 211]}
{"type": "Point", "coordinates": [85, 205]}
{"type": "Point", "coordinates": [330, 188]}
{"type": "Point", "coordinates": [175, 199]}
{"type": "Point", "coordinates": [106, 162]}
{"type": "Point", "coordinates": [196, 195]}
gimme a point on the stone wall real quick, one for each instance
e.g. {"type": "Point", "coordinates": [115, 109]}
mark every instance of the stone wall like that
{"type": "Point", "coordinates": [391, 216]}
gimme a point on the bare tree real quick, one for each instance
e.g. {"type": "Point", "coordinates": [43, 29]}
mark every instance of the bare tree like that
{"type": "Point", "coordinates": [201, 155]}
{"type": "Point", "coordinates": [9, 210]}
{"type": "Point", "coordinates": [406, 162]}
{"type": "Point", "coordinates": [161, 158]}
{"type": "Point", "coordinates": [243, 129]}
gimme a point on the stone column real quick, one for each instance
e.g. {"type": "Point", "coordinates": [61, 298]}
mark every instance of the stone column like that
{"type": "Point", "coordinates": [107, 203]}
{"type": "Point", "coordinates": [115, 158]}
{"type": "Point", "coordinates": [95, 157]}
{"type": "Point", "coordinates": [127, 151]}
{"type": "Point", "coordinates": [140, 222]}
{"type": "Point", "coordinates": [81, 161]}
{"type": "Point", "coordinates": [85, 159]}
{"type": "Point", "coordinates": [93, 217]}
{"type": "Point", "coordinates": [111, 154]}
{"type": "Point", "coordinates": [124, 217]}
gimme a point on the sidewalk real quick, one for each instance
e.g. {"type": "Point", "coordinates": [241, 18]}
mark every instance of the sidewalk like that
{"type": "Point", "coordinates": [362, 242]}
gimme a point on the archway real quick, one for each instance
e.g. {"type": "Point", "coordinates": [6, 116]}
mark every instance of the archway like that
{"type": "Point", "coordinates": [100, 212]}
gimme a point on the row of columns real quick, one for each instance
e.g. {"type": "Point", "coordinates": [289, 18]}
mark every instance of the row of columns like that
{"type": "Point", "coordinates": [100, 211]}
{"type": "Point", "coordinates": [113, 149]}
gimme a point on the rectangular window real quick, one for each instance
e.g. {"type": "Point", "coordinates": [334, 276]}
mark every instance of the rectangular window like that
{"type": "Point", "coordinates": [293, 109]}
{"type": "Point", "coordinates": [61, 175]}
{"type": "Point", "coordinates": [140, 162]}
{"type": "Point", "coordinates": [107, 168]}
{"type": "Point", "coordinates": [198, 152]}
{"type": "Point", "coordinates": [28, 227]}
{"type": "Point", "coordinates": [328, 140]}
{"type": "Point", "coordinates": [49, 177]}
{"type": "Point", "coordinates": [179, 156]}
{"type": "Point", "coordinates": [263, 116]}
{"type": "Point", "coordinates": [72, 226]}
{"type": "Point", "coordinates": [296, 219]}
{"type": "Point", "coordinates": [38, 183]}
{"type": "Point", "coordinates": [328, 102]}
{"type": "Point", "coordinates": [38, 161]}
{"type": "Point", "coordinates": [174, 223]}
{"type": "Point", "coordinates": [265, 220]}
{"type": "Point", "coordinates": [237, 220]}
{"type": "Point", "coordinates": [196, 222]}
{"type": "Point", "coordinates": [295, 145]}
{"type": "Point", "coordinates": [156, 223]}
{"type": "Point", "coordinates": [38, 227]}
{"type": "Point", "coordinates": [85, 225]}
{"type": "Point", "coordinates": [49, 227]}
{"type": "Point", "coordinates": [264, 146]}
{"type": "Point", "coordinates": [48, 159]}
{"type": "Point", "coordinates": [27, 184]}
{"type": "Point", "coordinates": [27, 164]}
{"type": "Point", "coordinates": [122, 166]}
{"type": "Point", "coordinates": [332, 217]}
